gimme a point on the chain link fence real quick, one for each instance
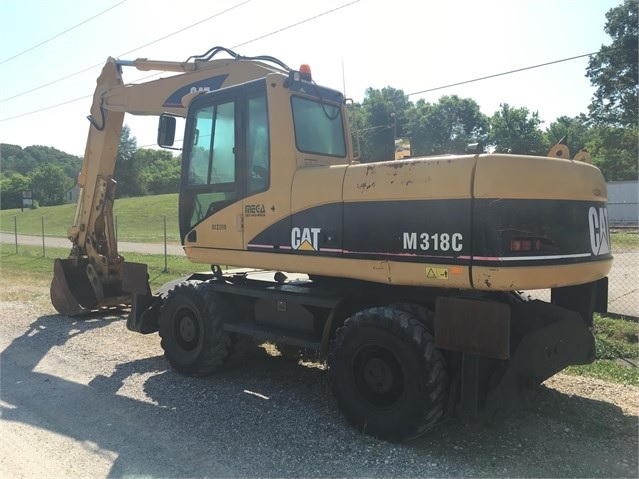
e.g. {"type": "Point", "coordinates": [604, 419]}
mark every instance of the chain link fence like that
{"type": "Point", "coordinates": [623, 279]}
{"type": "Point", "coordinates": [623, 287]}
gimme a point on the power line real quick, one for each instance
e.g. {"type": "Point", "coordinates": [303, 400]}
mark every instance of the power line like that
{"type": "Point", "coordinates": [264, 36]}
{"type": "Point", "coordinates": [296, 24]}
{"type": "Point", "coordinates": [409, 94]}
{"type": "Point", "coordinates": [46, 108]}
{"type": "Point", "coordinates": [50, 83]}
{"type": "Point", "coordinates": [155, 74]}
{"type": "Point", "coordinates": [61, 33]}
{"type": "Point", "coordinates": [272, 33]}
{"type": "Point", "coordinates": [504, 73]}
{"type": "Point", "coordinates": [122, 54]}
{"type": "Point", "coordinates": [186, 28]}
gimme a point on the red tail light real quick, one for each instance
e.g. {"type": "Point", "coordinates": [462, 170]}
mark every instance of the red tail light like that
{"type": "Point", "coordinates": [518, 245]}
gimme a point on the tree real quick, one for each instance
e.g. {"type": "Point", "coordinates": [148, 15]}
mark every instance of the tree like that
{"type": "Point", "coordinates": [14, 158]}
{"type": "Point", "coordinates": [382, 120]}
{"type": "Point", "coordinates": [516, 130]}
{"type": "Point", "coordinates": [447, 126]}
{"type": "Point", "coordinates": [127, 169]}
{"type": "Point", "coordinates": [614, 109]}
{"type": "Point", "coordinates": [575, 131]}
{"type": "Point", "coordinates": [613, 70]}
{"type": "Point", "coordinates": [614, 151]}
{"type": "Point", "coordinates": [48, 155]}
{"type": "Point", "coordinates": [49, 184]}
{"type": "Point", "coordinates": [160, 172]}
{"type": "Point", "coordinates": [12, 184]}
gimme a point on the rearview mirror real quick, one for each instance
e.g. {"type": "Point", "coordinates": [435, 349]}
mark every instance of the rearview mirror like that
{"type": "Point", "coordinates": [166, 131]}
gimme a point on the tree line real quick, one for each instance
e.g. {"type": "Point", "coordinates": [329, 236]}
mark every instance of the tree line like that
{"type": "Point", "coordinates": [609, 131]}
{"type": "Point", "coordinates": [450, 124]}
{"type": "Point", "coordinates": [50, 173]}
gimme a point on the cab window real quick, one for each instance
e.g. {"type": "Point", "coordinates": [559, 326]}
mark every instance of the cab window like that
{"type": "Point", "coordinates": [257, 145]}
{"type": "Point", "coordinates": [212, 159]}
{"type": "Point", "coordinates": [319, 127]}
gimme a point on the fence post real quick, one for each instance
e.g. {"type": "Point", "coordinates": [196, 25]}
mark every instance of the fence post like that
{"type": "Point", "coordinates": [166, 268]}
{"type": "Point", "coordinates": [116, 229]}
{"type": "Point", "coordinates": [42, 222]}
{"type": "Point", "coordinates": [15, 231]}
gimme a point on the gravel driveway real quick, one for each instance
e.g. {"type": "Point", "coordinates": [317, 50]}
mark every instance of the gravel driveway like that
{"type": "Point", "coordinates": [87, 398]}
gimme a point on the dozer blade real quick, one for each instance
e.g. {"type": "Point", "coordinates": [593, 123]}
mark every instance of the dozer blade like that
{"type": "Point", "coordinates": [72, 294]}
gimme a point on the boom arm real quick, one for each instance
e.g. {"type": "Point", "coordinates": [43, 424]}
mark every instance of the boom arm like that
{"type": "Point", "coordinates": [92, 275]}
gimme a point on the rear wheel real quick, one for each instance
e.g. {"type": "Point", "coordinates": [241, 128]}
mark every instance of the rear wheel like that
{"type": "Point", "coordinates": [386, 374]}
{"type": "Point", "coordinates": [190, 326]}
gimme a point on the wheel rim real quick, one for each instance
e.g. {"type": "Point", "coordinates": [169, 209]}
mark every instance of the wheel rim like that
{"type": "Point", "coordinates": [378, 376]}
{"type": "Point", "coordinates": [187, 329]}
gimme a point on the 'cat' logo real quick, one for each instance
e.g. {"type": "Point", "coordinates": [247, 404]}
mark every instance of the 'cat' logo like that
{"type": "Point", "coordinates": [599, 231]}
{"type": "Point", "coordinates": [305, 239]}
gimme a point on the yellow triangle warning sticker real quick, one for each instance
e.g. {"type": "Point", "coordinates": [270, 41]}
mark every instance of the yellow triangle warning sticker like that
{"type": "Point", "coordinates": [437, 273]}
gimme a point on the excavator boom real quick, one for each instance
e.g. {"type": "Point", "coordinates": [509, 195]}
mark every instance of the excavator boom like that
{"type": "Point", "coordinates": [91, 277]}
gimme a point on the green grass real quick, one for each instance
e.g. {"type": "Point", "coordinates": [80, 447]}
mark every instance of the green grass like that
{"type": "Point", "coordinates": [30, 265]}
{"type": "Point", "coordinates": [608, 371]}
{"type": "Point", "coordinates": [138, 219]}
{"type": "Point", "coordinates": [625, 239]}
{"type": "Point", "coordinates": [614, 339]}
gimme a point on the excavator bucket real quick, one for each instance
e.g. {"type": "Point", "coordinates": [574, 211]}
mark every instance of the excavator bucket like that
{"type": "Point", "coordinates": [73, 295]}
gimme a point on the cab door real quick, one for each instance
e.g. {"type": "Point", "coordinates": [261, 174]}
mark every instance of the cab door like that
{"type": "Point", "coordinates": [212, 184]}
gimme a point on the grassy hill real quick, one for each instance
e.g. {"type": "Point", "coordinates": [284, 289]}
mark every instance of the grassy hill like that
{"type": "Point", "coordinates": [138, 219]}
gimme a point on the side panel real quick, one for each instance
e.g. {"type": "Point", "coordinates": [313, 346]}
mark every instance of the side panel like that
{"type": "Point", "coordinates": [432, 231]}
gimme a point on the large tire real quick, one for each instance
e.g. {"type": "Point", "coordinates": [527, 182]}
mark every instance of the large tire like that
{"type": "Point", "coordinates": [190, 326]}
{"type": "Point", "coordinates": [386, 374]}
{"type": "Point", "coordinates": [421, 314]}
{"type": "Point", "coordinates": [240, 346]}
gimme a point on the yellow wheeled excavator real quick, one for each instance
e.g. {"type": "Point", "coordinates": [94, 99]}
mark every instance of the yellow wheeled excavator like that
{"type": "Point", "coordinates": [403, 274]}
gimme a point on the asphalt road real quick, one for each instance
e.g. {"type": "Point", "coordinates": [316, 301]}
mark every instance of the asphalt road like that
{"type": "Point", "coordinates": [123, 246]}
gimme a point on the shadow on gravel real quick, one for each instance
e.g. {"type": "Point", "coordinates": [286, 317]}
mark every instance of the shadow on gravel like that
{"type": "Point", "coordinates": [272, 417]}
{"type": "Point", "coordinates": [550, 435]}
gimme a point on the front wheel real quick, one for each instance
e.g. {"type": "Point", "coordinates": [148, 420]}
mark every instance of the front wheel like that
{"type": "Point", "coordinates": [386, 374]}
{"type": "Point", "coordinates": [190, 326]}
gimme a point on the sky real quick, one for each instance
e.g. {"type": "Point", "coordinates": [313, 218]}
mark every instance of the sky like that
{"type": "Point", "coordinates": [51, 52]}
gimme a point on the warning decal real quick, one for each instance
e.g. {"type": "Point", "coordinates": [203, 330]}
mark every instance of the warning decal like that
{"type": "Point", "coordinates": [437, 273]}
